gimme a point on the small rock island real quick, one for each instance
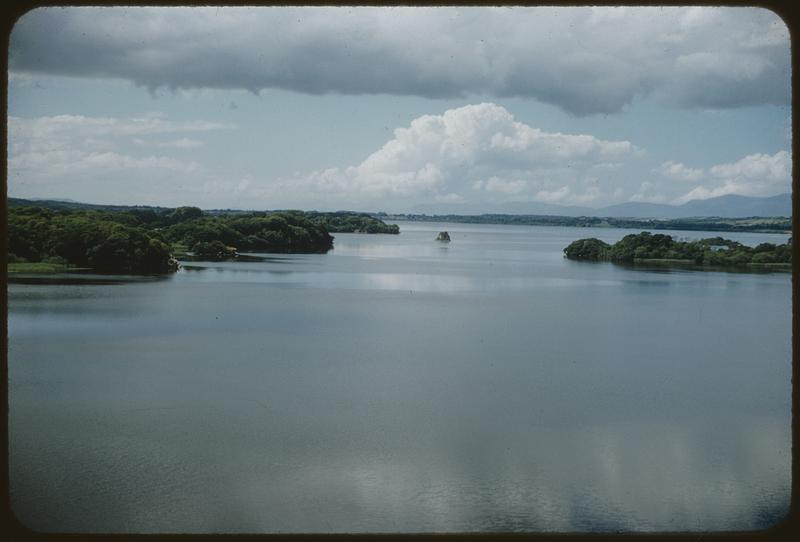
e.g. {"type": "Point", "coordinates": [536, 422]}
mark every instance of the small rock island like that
{"type": "Point", "coordinates": [443, 236]}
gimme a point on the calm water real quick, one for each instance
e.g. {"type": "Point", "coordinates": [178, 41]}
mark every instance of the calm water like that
{"type": "Point", "coordinates": [401, 384]}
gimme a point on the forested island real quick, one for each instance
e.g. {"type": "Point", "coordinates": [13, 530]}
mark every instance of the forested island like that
{"type": "Point", "coordinates": [648, 247]}
{"type": "Point", "coordinates": [348, 222]}
{"type": "Point", "coordinates": [145, 240]}
{"type": "Point", "coordinates": [750, 224]}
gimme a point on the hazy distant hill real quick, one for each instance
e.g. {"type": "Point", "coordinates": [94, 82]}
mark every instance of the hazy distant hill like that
{"type": "Point", "coordinates": [72, 205]}
{"type": "Point", "coordinates": [730, 206]}
{"type": "Point", "coordinates": [512, 208]}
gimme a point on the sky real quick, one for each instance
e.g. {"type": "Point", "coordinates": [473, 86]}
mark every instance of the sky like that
{"type": "Point", "coordinates": [391, 109]}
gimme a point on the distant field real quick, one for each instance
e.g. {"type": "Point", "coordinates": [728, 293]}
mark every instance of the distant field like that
{"type": "Point", "coordinates": [38, 267]}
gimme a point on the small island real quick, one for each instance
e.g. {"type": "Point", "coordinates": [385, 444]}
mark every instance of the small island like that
{"type": "Point", "coordinates": [659, 248]}
{"type": "Point", "coordinates": [443, 236]}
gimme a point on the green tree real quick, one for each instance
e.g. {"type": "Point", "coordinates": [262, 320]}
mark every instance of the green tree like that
{"type": "Point", "coordinates": [587, 249]}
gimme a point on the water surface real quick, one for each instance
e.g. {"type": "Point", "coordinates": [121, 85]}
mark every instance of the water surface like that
{"type": "Point", "coordinates": [403, 384]}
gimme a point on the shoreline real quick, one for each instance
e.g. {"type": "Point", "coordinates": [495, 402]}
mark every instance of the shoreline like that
{"type": "Point", "coordinates": [724, 225]}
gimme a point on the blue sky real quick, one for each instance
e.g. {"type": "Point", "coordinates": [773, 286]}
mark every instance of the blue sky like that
{"type": "Point", "coordinates": [387, 109]}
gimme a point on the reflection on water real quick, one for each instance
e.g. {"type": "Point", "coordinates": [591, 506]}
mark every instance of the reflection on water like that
{"type": "Point", "coordinates": [390, 385]}
{"type": "Point", "coordinates": [681, 267]}
{"type": "Point", "coordinates": [81, 278]}
{"type": "Point", "coordinates": [418, 282]}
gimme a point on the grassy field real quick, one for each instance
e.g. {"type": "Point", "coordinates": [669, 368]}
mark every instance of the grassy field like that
{"type": "Point", "coordinates": [39, 267]}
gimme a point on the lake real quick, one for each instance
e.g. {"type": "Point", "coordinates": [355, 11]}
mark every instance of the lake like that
{"type": "Point", "coordinates": [398, 383]}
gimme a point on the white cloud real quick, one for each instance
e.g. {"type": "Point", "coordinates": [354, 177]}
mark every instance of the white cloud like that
{"type": "Point", "coordinates": [574, 58]}
{"type": "Point", "coordinates": [753, 175]}
{"type": "Point", "coordinates": [757, 168]}
{"type": "Point", "coordinates": [503, 186]}
{"type": "Point", "coordinates": [553, 196]}
{"type": "Point", "coordinates": [182, 143]}
{"type": "Point", "coordinates": [67, 163]}
{"type": "Point", "coordinates": [93, 156]}
{"type": "Point", "coordinates": [476, 155]}
{"type": "Point", "coordinates": [449, 198]}
{"type": "Point", "coordinates": [758, 175]}
{"type": "Point", "coordinates": [468, 153]}
{"type": "Point", "coordinates": [679, 172]}
{"type": "Point", "coordinates": [92, 134]}
{"type": "Point", "coordinates": [83, 126]}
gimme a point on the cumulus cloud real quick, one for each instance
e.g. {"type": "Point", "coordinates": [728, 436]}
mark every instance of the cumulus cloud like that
{"type": "Point", "coordinates": [477, 155]}
{"type": "Point", "coordinates": [753, 175]}
{"type": "Point", "coordinates": [574, 58]}
{"type": "Point", "coordinates": [679, 172]}
{"type": "Point", "coordinates": [758, 168]}
{"type": "Point", "coordinates": [757, 175]}
{"type": "Point", "coordinates": [472, 153]}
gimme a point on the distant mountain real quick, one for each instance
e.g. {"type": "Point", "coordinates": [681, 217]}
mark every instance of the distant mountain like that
{"type": "Point", "coordinates": [730, 206]}
{"type": "Point", "coordinates": [60, 200]}
{"type": "Point", "coordinates": [736, 206]}
{"type": "Point", "coordinates": [634, 209]}
{"type": "Point", "coordinates": [532, 208]}
{"type": "Point", "coordinates": [511, 208]}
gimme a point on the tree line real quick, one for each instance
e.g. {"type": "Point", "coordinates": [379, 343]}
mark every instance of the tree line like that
{"type": "Point", "coordinates": [105, 242]}
{"type": "Point", "coordinates": [143, 240]}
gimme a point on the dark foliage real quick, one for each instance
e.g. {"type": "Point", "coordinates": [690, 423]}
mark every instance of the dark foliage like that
{"type": "Point", "coordinates": [345, 222]}
{"type": "Point", "coordinates": [647, 246]}
{"type": "Point", "coordinates": [102, 241]}
{"type": "Point", "coordinates": [285, 232]}
{"type": "Point", "coordinates": [587, 249]}
{"type": "Point", "coordinates": [137, 240]}
{"type": "Point", "coordinates": [213, 250]}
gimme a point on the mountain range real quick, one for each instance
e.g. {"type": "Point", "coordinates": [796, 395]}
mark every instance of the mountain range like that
{"type": "Point", "coordinates": [728, 206]}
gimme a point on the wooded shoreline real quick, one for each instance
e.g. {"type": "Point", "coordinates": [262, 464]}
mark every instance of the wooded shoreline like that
{"type": "Point", "coordinates": [648, 248]}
